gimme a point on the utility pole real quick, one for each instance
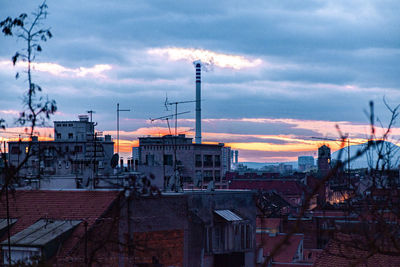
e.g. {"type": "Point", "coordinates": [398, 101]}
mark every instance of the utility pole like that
{"type": "Point", "coordinates": [118, 111]}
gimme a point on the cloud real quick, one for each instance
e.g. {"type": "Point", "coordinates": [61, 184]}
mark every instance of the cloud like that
{"type": "Point", "coordinates": [97, 71]}
{"type": "Point", "coordinates": [284, 70]}
{"type": "Point", "coordinates": [206, 56]}
{"type": "Point", "coordinates": [10, 112]}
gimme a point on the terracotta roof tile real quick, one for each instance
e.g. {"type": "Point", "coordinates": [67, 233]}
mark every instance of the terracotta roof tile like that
{"type": "Point", "coordinates": [338, 254]}
{"type": "Point", "coordinates": [28, 206]}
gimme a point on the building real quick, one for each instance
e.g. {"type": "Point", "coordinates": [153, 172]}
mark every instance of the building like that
{"type": "Point", "coordinates": [343, 251]}
{"type": "Point", "coordinates": [195, 228]}
{"type": "Point", "coordinates": [135, 157]}
{"type": "Point", "coordinates": [291, 189]}
{"type": "Point", "coordinates": [116, 228]}
{"type": "Point", "coordinates": [50, 225]}
{"type": "Point", "coordinates": [324, 160]}
{"type": "Point", "coordinates": [305, 163]}
{"type": "Point", "coordinates": [77, 157]}
{"type": "Point", "coordinates": [176, 162]}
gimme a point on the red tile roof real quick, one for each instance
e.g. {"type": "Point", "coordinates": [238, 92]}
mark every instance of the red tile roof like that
{"type": "Point", "coordinates": [284, 187]}
{"type": "Point", "coordinates": [286, 252]}
{"type": "Point", "coordinates": [251, 175]}
{"type": "Point", "coordinates": [337, 253]}
{"type": "Point", "coordinates": [28, 206]}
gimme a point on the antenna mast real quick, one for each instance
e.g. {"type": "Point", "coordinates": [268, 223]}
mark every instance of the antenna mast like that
{"type": "Point", "coordinates": [176, 111]}
{"type": "Point", "coordinates": [118, 111]}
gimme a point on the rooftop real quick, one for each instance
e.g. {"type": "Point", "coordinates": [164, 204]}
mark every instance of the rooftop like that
{"type": "Point", "coordinates": [41, 233]}
{"type": "Point", "coordinates": [30, 206]}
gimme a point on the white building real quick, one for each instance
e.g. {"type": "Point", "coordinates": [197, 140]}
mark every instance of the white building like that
{"type": "Point", "coordinates": [77, 158]}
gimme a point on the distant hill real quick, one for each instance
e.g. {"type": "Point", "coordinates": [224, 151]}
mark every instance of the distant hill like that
{"type": "Point", "coordinates": [389, 150]}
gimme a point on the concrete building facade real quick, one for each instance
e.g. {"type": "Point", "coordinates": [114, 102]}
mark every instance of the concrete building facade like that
{"type": "Point", "coordinates": [75, 159]}
{"type": "Point", "coordinates": [203, 228]}
{"type": "Point", "coordinates": [194, 165]}
{"type": "Point", "coordinates": [324, 160]}
{"type": "Point", "coordinates": [305, 163]}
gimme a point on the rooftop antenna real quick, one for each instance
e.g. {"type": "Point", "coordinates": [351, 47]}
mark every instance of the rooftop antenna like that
{"type": "Point", "coordinates": [166, 118]}
{"type": "Point", "coordinates": [176, 111]}
{"type": "Point", "coordinates": [166, 102]}
{"type": "Point", "coordinates": [118, 111]}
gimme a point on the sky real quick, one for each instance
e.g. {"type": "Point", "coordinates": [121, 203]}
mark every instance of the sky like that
{"type": "Point", "coordinates": [278, 72]}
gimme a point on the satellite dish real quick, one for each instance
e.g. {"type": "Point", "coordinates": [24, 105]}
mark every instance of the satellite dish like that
{"type": "Point", "coordinates": [114, 160]}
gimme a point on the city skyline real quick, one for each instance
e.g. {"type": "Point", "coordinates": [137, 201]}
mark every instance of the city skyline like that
{"type": "Point", "coordinates": [280, 72]}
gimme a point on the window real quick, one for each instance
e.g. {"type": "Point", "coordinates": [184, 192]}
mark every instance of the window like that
{"type": "Point", "coordinates": [168, 160]}
{"type": "Point", "coordinates": [67, 149]}
{"type": "Point", "coordinates": [70, 136]}
{"type": "Point", "coordinates": [245, 236]}
{"type": "Point", "coordinates": [59, 164]}
{"type": "Point", "coordinates": [15, 150]}
{"type": "Point", "coordinates": [208, 176]}
{"type": "Point", "coordinates": [198, 161]}
{"type": "Point", "coordinates": [217, 175]}
{"type": "Point", "coordinates": [217, 160]}
{"type": "Point", "coordinates": [48, 163]}
{"type": "Point", "coordinates": [67, 164]}
{"type": "Point", "coordinates": [21, 254]}
{"type": "Point", "coordinates": [208, 161]}
{"type": "Point", "coordinates": [78, 149]}
{"type": "Point", "coordinates": [58, 135]}
{"type": "Point", "coordinates": [149, 160]}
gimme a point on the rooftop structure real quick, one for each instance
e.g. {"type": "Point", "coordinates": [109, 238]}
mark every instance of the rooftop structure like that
{"type": "Point", "coordinates": [324, 160]}
{"type": "Point", "coordinates": [176, 162]}
{"type": "Point", "coordinates": [78, 157]}
{"type": "Point", "coordinates": [112, 228]}
{"type": "Point", "coordinates": [50, 223]}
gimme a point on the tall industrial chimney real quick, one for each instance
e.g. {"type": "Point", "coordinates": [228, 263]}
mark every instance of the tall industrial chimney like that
{"type": "Point", "coordinates": [197, 65]}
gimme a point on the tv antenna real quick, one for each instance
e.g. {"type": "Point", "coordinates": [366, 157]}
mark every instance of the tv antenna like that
{"type": "Point", "coordinates": [118, 111]}
{"type": "Point", "coordinates": [167, 118]}
{"type": "Point", "coordinates": [167, 103]}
